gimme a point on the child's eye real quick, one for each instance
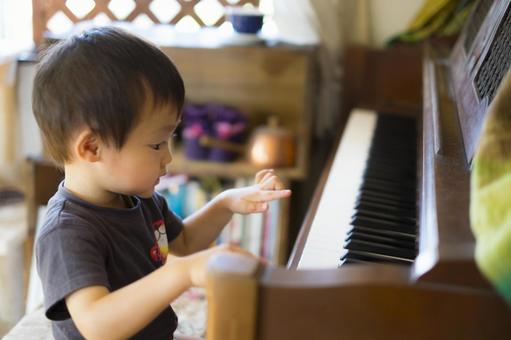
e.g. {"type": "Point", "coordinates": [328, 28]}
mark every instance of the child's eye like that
{"type": "Point", "coordinates": [157, 146]}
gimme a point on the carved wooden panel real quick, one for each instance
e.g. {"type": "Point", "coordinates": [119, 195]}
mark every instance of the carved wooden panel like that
{"type": "Point", "coordinates": [125, 10]}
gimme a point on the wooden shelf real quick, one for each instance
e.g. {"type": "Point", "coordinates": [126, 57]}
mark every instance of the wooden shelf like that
{"type": "Point", "coordinates": [261, 81]}
{"type": "Point", "coordinates": [239, 168]}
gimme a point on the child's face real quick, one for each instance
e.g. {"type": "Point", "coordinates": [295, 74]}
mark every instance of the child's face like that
{"type": "Point", "coordinates": [135, 168]}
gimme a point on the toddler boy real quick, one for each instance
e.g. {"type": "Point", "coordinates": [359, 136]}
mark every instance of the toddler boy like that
{"type": "Point", "coordinates": [107, 104]}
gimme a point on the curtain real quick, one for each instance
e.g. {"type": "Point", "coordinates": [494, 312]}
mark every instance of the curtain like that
{"type": "Point", "coordinates": [332, 25]}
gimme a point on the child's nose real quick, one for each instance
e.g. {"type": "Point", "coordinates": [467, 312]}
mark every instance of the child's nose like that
{"type": "Point", "coordinates": [167, 158]}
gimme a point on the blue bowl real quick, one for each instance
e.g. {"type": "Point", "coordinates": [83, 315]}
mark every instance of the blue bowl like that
{"type": "Point", "coordinates": [245, 20]}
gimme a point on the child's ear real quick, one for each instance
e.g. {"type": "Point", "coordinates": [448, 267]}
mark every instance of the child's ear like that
{"type": "Point", "coordinates": [87, 146]}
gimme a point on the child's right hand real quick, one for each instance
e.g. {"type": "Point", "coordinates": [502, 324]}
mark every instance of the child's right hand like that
{"type": "Point", "coordinates": [195, 265]}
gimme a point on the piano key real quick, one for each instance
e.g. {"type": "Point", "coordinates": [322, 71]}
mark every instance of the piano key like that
{"type": "Point", "coordinates": [386, 216]}
{"type": "Point", "coordinates": [397, 184]}
{"type": "Point", "coordinates": [385, 232]}
{"type": "Point", "coordinates": [382, 197]}
{"type": "Point", "coordinates": [378, 248]}
{"type": "Point", "coordinates": [368, 198]}
{"type": "Point", "coordinates": [323, 246]}
{"type": "Point", "coordinates": [352, 257]}
{"type": "Point", "coordinates": [410, 183]}
{"type": "Point", "coordinates": [379, 257]}
{"type": "Point", "coordinates": [380, 225]}
{"type": "Point", "coordinates": [370, 222]}
{"type": "Point", "coordinates": [354, 260]}
{"type": "Point", "coordinates": [358, 235]}
{"type": "Point", "coordinates": [385, 207]}
{"type": "Point", "coordinates": [389, 190]}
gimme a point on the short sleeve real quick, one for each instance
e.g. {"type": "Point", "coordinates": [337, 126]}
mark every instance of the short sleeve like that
{"type": "Point", "coordinates": [69, 257]}
{"type": "Point", "coordinates": [173, 224]}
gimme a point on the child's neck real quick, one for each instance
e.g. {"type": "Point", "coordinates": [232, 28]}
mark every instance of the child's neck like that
{"type": "Point", "coordinates": [82, 185]}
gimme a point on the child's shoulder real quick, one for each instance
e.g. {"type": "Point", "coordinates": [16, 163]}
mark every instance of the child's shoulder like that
{"type": "Point", "coordinates": [60, 212]}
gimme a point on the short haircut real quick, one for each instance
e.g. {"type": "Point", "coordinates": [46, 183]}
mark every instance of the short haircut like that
{"type": "Point", "coordinates": [101, 79]}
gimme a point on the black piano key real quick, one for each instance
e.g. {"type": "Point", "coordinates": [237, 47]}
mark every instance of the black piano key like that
{"type": "Point", "coordinates": [378, 197]}
{"type": "Point", "coordinates": [364, 198]}
{"type": "Point", "coordinates": [388, 196]}
{"type": "Point", "coordinates": [396, 184]}
{"type": "Point", "coordinates": [354, 259]}
{"type": "Point", "coordinates": [384, 225]}
{"type": "Point", "coordinates": [358, 235]}
{"type": "Point", "coordinates": [388, 184]}
{"type": "Point", "coordinates": [391, 152]}
{"type": "Point", "coordinates": [390, 173]}
{"type": "Point", "coordinates": [387, 216]}
{"type": "Point", "coordinates": [380, 257]}
{"type": "Point", "coordinates": [378, 248]}
{"type": "Point", "coordinates": [410, 182]}
{"type": "Point", "coordinates": [388, 208]}
{"type": "Point", "coordinates": [385, 232]}
{"type": "Point", "coordinates": [388, 190]}
{"type": "Point", "coordinates": [391, 166]}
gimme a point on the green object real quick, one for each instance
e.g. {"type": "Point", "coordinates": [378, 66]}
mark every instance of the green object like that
{"type": "Point", "coordinates": [490, 205]}
{"type": "Point", "coordinates": [437, 18]}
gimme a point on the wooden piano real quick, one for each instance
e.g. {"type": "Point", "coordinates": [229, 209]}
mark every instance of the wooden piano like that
{"type": "Point", "coordinates": [386, 250]}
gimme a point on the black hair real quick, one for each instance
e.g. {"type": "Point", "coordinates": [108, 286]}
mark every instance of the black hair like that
{"type": "Point", "coordinates": [101, 78]}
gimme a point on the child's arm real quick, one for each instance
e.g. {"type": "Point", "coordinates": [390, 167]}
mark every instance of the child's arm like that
{"type": "Point", "coordinates": [100, 314]}
{"type": "Point", "coordinates": [204, 226]}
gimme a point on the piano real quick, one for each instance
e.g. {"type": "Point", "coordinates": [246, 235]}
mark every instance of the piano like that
{"type": "Point", "coordinates": [395, 192]}
{"type": "Point", "coordinates": [386, 250]}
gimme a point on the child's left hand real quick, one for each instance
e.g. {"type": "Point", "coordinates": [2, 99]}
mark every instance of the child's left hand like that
{"type": "Point", "coordinates": [253, 199]}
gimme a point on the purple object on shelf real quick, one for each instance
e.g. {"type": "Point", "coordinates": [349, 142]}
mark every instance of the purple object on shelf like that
{"type": "Point", "coordinates": [196, 124]}
{"type": "Point", "coordinates": [229, 125]}
{"type": "Point", "coordinates": [195, 151]}
{"type": "Point", "coordinates": [215, 121]}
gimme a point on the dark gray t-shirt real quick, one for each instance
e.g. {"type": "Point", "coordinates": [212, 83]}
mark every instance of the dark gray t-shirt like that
{"type": "Point", "coordinates": [81, 245]}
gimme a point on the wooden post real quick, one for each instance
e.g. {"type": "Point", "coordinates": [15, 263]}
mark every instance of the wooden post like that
{"type": "Point", "coordinates": [232, 297]}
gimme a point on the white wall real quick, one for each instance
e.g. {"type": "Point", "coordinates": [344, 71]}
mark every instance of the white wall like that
{"type": "Point", "coordinates": [389, 17]}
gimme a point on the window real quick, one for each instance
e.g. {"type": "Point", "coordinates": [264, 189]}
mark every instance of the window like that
{"type": "Point", "coordinates": [186, 15]}
{"type": "Point", "coordinates": [16, 23]}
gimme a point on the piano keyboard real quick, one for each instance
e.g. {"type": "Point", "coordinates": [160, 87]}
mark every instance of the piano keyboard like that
{"type": "Point", "coordinates": [367, 211]}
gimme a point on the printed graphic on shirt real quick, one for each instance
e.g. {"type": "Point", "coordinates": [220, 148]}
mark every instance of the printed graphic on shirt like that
{"type": "Point", "coordinates": [160, 248]}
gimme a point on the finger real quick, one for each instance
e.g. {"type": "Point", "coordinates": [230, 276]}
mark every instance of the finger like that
{"type": "Point", "coordinates": [234, 248]}
{"type": "Point", "coordinates": [254, 207]}
{"type": "Point", "coordinates": [245, 252]}
{"type": "Point", "coordinates": [269, 195]}
{"type": "Point", "coordinates": [266, 176]}
{"type": "Point", "coordinates": [231, 247]}
{"type": "Point", "coordinates": [272, 183]}
{"type": "Point", "coordinates": [260, 175]}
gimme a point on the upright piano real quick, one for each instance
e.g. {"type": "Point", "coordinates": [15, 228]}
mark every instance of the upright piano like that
{"type": "Point", "coordinates": [395, 195]}
{"type": "Point", "coordinates": [386, 250]}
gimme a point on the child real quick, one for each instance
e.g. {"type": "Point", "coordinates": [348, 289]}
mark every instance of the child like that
{"type": "Point", "coordinates": [107, 104]}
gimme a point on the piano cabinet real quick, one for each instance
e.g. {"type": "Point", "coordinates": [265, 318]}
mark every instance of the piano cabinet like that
{"type": "Point", "coordinates": [248, 301]}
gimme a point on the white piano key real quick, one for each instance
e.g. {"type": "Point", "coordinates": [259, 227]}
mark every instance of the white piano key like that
{"type": "Point", "coordinates": [323, 246]}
